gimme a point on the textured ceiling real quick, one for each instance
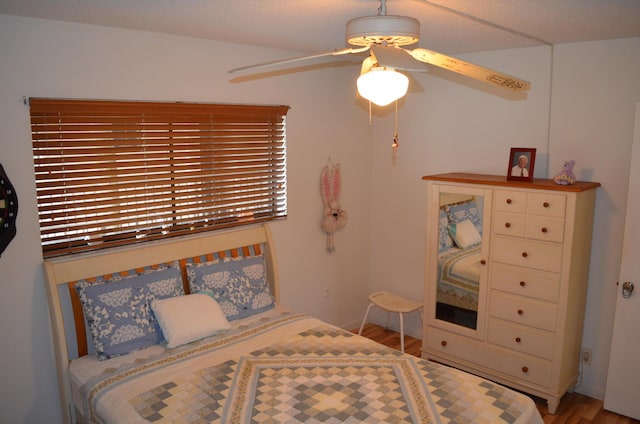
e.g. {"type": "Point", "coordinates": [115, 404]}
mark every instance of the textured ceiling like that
{"type": "Point", "coordinates": [448, 26]}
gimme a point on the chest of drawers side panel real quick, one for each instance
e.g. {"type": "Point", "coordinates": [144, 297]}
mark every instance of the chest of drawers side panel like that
{"type": "Point", "coordinates": [575, 279]}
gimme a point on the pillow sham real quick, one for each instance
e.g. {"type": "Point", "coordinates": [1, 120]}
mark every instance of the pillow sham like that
{"type": "Point", "coordinates": [445, 242]}
{"type": "Point", "coordinates": [118, 310]}
{"type": "Point", "coordinates": [464, 234]}
{"type": "Point", "coordinates": [239, 285]}
{"type": "Point", "coordinates": [458, 212]}
{"type": "Point", "coordinates": [185, 319]}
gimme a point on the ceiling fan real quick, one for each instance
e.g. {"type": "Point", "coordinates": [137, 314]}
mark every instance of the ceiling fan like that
{"type": "Point", "coordinates": [384, 37]}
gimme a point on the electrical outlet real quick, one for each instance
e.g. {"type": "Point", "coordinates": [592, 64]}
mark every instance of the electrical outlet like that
{"type": "Point", "coordinates": [586, 356]}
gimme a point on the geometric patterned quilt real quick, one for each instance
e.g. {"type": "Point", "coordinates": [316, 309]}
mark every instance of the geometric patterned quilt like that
{"type": "Point", "coordinates": [458, 277]}
{"type": "Point", "coordinates": [300, 371]}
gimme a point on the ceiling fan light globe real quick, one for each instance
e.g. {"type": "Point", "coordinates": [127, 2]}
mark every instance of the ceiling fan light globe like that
{"type": "Point", "coordinates": [382, 86]}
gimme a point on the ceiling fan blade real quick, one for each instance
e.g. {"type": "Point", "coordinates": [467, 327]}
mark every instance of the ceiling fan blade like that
{"type": "Point", "coordinates": [397, 58]}
{"type": "Point", "coordinates": [347, 50]}
{"type": "Point", "coordinates": [469, 69]}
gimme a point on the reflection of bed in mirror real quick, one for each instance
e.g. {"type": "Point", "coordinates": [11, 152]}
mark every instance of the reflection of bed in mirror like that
{"type": "Point", "coordinates": [459, 254]}
{"type": "Point", "coordinates": [459, 270]}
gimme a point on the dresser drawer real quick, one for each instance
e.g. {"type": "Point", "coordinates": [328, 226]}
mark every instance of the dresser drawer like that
{"type": "Point", "coordinates": [510, 201]}
{"type": "Point", "coordinates": [520, 338]}
{"type": "Point", "coordinates": [525, 282]}
{"type": "Point", "coordinates": [509, 224]}
{"type": "Point", "coordinates": [528, 253]}
{"type": "Point", "coordinates": [500, 361]}
{"type": "Point", "coordinates": [545, 228]}
{"type": "Point", "coordinates": [546, 204]}
{"type": "Point", "coordinates": [446, 343]}
{"type": "Point", "coordinates": [524, 311]}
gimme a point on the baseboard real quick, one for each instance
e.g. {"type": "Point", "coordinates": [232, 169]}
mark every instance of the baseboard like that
{"type": "Point", "coordinates": [592, 392]}
{"type": "Point", "coordinates": [351, 325]}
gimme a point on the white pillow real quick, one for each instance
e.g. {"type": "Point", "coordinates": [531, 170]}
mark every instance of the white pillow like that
{"type": "Point", "coordinates": [184, 319]}
{"type": "Point", "coordinates": [465, 234]}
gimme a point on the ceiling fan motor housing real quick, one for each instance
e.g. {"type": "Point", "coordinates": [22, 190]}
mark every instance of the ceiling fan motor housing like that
{"type": "Point", "coordinates": [383, 29]}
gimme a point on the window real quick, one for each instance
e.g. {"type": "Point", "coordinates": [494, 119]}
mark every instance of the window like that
{"type": "Point", "coordinates": [112, 173]}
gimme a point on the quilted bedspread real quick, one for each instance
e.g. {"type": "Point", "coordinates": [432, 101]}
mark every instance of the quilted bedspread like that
{"type": "Point", "coordinates": [459, 273]}
{"type": "Point", "coordinates": [289, 368]}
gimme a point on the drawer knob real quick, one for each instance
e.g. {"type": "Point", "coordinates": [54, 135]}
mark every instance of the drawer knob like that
{"type": "Point", "coordinates": [509, 201]}
{"type": "Point", "coordinates": [525, 369]}
{"type": "Point", "coordinates": [520, 312]}
{"type": "Point", "coordinates": [544, 229]}
{"type": "Point", "coordinates": [525, 254]}
{"type": "Point", "coordinates": [518, 340]}
{"type": "Point", "coordinates": [507, 224]}
{"type": "Point", "coordinates": [483, 262]}
{"type": "Point", "coordinates": [545, 204]}
{"type": "Point", "coordinates": [443, 343]}
{"type": "Point", "coordinates": [523, 283]}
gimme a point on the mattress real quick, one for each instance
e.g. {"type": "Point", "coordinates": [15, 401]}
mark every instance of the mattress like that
{"type": "Point", "coordinates": [282, 367]}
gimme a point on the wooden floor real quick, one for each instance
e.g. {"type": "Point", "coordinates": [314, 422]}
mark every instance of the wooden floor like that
{"type": "Point", "coordinates": [574, 407]}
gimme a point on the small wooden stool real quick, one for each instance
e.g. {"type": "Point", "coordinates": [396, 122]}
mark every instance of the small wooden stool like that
{"type": "Point", "coordinates": [392, 303]}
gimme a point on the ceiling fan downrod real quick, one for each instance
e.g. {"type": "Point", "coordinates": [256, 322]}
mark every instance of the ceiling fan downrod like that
{"type": "Point", "coordinates": [382, 10]}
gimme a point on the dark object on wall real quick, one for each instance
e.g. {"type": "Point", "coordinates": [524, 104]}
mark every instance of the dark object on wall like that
{"type": "Point", "coordinates": [8, 211]}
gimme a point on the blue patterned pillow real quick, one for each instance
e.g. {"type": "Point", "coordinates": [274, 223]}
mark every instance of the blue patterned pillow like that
{"type": "Point", "coordinates": [118, 310]}
{"type": "Point", "coordinates": [239, 285]}
{"type": "Point", "coordinates": [445, 242]}
{"type": "Point", "coordinates": [458, 212]}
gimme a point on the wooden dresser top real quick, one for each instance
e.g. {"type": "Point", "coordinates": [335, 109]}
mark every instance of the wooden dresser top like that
{"type": "Point", "coordinates": [497, 180]}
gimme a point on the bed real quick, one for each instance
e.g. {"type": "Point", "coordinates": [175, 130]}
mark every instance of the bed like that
{"type": "Point", "coordinates": [260, 363]}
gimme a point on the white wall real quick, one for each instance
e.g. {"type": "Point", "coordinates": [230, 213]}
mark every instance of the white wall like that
{"type": "Point", "coordinates": [595, 90]}
{"type": "Point", "coordinates": [445, 124]}
{"type": "Point", "coordinates": [54, 59]}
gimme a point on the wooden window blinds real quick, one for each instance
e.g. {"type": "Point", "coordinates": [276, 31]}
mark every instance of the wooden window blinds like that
{"type": "Point", "coordinates": [111, 173]}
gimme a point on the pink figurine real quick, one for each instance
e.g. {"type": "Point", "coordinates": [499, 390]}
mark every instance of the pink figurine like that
{"type": "Point", "coordinates": [565, 176]}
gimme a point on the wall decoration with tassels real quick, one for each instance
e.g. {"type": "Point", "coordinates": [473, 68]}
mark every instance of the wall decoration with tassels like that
{"type": "Point", "coordinates": [333, 218]}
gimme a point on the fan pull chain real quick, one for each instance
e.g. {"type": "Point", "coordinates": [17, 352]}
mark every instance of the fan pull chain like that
{"type": "Point", "coordinates": [370, 113]}
{"type": "Point", "coordinates": [395, 143]}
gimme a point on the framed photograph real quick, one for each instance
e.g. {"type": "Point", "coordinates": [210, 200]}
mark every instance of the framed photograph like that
{"type": "Point", "coordinates": [521, 161]}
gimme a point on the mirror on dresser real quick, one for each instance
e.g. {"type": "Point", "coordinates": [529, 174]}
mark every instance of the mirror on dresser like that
{"type": "Point", "coordinates": [457, 269]}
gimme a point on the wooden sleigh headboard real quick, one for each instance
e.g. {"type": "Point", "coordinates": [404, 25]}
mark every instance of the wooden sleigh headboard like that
{"type": "Point", "coordinates": [62, 273]}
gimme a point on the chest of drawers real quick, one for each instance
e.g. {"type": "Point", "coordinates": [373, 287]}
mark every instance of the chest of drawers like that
{"type": "Point", "coordinates": [526, 329]}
